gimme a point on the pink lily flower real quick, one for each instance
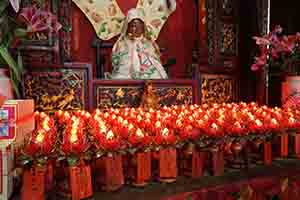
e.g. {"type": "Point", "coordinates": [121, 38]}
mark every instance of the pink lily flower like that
{"type": "Point", "coordinates": [261, 41]}
{"type": "Point", "coordinates": [38, 20]}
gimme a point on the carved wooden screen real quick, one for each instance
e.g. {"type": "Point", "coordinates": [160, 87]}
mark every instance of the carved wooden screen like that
{"type": "Point", "coordinates": [218, 47]}
{"type": "Point", "coordinates": [58, 87]}
{"type": "Point", "coordinates": [49, 48]}
{"type": "Point", "coordinates": [222, 33]}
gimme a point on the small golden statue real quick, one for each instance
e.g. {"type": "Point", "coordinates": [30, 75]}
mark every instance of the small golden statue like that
{"type": "Point", "coordinates": [149, 99]}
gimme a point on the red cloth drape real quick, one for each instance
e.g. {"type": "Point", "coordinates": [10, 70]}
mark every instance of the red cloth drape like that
{"type": "Point", "coordinates": [177, 37]}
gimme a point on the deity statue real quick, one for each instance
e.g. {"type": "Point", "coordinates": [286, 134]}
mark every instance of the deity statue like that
{"type": "Point", "coordinates": [135, 55]}
{"type": "Point", "coordinates": [149, 99]}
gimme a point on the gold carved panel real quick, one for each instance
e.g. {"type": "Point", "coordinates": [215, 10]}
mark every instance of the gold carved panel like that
{"type": "Point", "coordinates": [218, 88]}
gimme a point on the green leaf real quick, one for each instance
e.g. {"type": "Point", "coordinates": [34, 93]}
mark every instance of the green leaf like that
{"type": "Point", "coordinates": [99, 154]}
{"type": "Point", "coordinates": [20, 32]}
{"type": "Point", "coordinates": [189, 197]}
{"type": "Point", "coordinates": [41, 161]}
{"type": "Point", "coordinates": [15, 84]}
{"type": "Point", "coordinates": [3, 5]}
{"type": "Point", "coordinates": [122, 152]}
{"type": "Point", "coordinates": [20, 62]}
{"type": "Point", "coordinates": [132, 150]}
{"type": "Point", "coordinates": [11, 62]}
{"type": "Point", "coordinates": [72, 161]}
{"type": "Point", "coordinates": [15, 69]}
{"type": "Point", "coordinates": [25, 161]}
{"type": "Point", "coordinates": [275, 197]}
{"type": "Point", "coordinates": [60, 158]}
{"type": "Point", "coordinates": [87, 156]}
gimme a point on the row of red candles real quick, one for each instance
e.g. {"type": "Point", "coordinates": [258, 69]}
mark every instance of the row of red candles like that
{"type": "Point", "coordinates": [114, 130]}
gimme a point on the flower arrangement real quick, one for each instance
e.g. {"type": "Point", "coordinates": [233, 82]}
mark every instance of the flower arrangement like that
{"type": "Point", "coordinates": [279, 52]}
{"type": "Point", "coordinates": [75, 144]}
{"type": "Point", "coordinates": [37, 22]}
{"type": "Point", "coordinates": [74, 135]}
{"type": "Point", "coordinates": [40, 146]}
{"type": "Point", "coordinates": [16, 24]}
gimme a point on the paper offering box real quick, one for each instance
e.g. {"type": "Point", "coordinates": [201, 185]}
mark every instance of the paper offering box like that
{"type": "Point", "coordinates": [6, 171]}
{"type": "Point", "coordinates": [16, 119]}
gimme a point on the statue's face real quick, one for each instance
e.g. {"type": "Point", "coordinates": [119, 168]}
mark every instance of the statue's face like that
{"type": "Point", "coordinates": [135, 28]}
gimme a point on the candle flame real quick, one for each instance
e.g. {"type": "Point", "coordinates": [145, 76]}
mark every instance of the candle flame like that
{"type": "Point", "coordinates": [125, 122]}
{"type": "Point", "coordinates": [258, 122]}
{"type": "Point", "coordinates": [120, 119]}
{"type": "Point", "coordinates": [206, 117]}
{"type": "Point", "coordinates": [46, 127]}
{"type": "Point", "coordinates": [130, 127]}
{"type": "Point", "coordinates": [103, 128]}
{"type": "Point", "coordinates": [98, 112]}
{"type": "Point", "coordinates": [110, 135]}
{"type": "Point", "coordinates": [139, 133]}
{"type": "Point", "coordinates": [200, 122]}
{"type": "Point", "coordinates": [215, 126]}
{"type": "Point", "coordinates": [251, 117]}
{"type": "Point", "coordinates": [87, 115]}
{"type": "Point", "coordinates": [139, 118]}
{"type": "Point", "coordinates": [178, 123]}
{"type": "Point", "coordinates": [157, 124]}
{"type": "Point", "coordinates": [237, 124]}
{"type": "Point", "coordinates": [40, 136]}
{"type": "Point", "coordinates": [274, 121]}
{"type": "Point", "coordinates": [165, 132]}
{"type": "Point", "coordinates": [292, 120]}
{"type": "Point", "coordinates": [73, 138]}
{"type": "Point", "coordinates": [73, 130]}
{"type": "Point", "coordinates": [148, 115]}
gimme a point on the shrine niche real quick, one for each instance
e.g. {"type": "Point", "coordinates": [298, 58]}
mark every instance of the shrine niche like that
{"type": "Point", "coordinates": [58, 87]}
{"type": "Point", "coordinates": [213, 42]}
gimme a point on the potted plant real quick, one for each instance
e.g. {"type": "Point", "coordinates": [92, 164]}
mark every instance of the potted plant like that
{"type": "Point", "coordinates": [280, 54]}
{"type": "Point", "coordinates": [31, 22]}
{"type": "Point", "coordinates": [7, 26]}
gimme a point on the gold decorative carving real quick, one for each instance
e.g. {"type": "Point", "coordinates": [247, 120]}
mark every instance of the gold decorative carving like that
{"type": "Point", "coordinates": [149, 99]}
{"type": "Point", "coordinates": [56, 90]}
{"type": "Point", "coordinates": [131, 96]}
{"type": "Point", "coordinates": [217, 88]}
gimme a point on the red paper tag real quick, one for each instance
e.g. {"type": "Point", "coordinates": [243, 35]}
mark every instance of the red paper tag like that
{"type": "Point", "coordinates": [33, 184]}
{"type": "Point", "coordinates": [143, 167]}
{"type": "Point", "coordinates": [168, 163]}
{"type": "Point", "coordinates": [81, 182]}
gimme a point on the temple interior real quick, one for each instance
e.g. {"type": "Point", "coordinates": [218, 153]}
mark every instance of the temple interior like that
{"type": "Point", "coordinates": [149, 99]}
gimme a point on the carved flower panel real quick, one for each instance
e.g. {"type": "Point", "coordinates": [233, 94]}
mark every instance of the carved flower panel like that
{"type": "Point", "coordinates": [228, 39]}
{"type": "Point", "coordinates": [54, 90]}
{"type": "Point", "coordinates": [122, 96]}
